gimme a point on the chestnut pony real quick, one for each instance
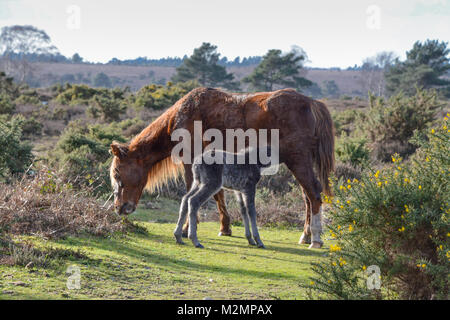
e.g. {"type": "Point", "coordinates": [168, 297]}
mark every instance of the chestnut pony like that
{"type": "Point", "coordinates": [306, 140]}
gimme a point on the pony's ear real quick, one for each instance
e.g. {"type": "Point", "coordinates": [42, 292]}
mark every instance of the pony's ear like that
{"type": "Point", "coordinates": [119, 150]}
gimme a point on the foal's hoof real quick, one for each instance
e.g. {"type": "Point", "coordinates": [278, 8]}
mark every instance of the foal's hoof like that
{"type": "Point", "coordinates": [251, 242]}
{"type": "Point", "coordinates": [225, 233]}
{"type": "Point", "coordinates": [184, 234]}
{"type": "Point", "coordinates": [261, 245]}
{"type": "Point", "coordinates": [316, 245]}
{"type": "Point", "coordinates": [180, 242]}
{"type": "Point", "coordinates": [178, 239]}
{"type": "Point", "coordinates": [199, 245]}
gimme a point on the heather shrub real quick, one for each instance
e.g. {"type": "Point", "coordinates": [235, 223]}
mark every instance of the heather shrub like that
{"type": "Point", "coordinates": [285, 209]}
{"type": "Point", "coordinates": [346, 171]}
{"type": "Point", "coordinates": [394, 221]}
{"type": "Point", "coordinates": [45, 205]}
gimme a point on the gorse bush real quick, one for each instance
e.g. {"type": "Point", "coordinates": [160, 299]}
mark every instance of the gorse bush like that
{"type": "Point", "coordinates": [344, 121]}
{"type": "Point", "coordinates": [108, 108]}
{"type": "Point", "coordinates": [82, 154]}
{"type": "Point", "coordinates": [395, 120]}
{"type": "Point", "coordinates": [397, 220]}
{"type": "Point", "coordinates": [6, 104]}
{"type": "Point", "coordinates": [161, 97]}
{"type": "Point", "coordinates": [352, 150]}
{"type": "Point", "coordinates": [15, 154]}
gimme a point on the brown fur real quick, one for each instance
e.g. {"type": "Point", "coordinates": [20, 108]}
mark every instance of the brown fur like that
{"type": "Point", "coordinates": [305, 127]}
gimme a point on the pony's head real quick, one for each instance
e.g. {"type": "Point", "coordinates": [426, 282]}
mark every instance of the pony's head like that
{"type": "Point", "coordinates": [128, 179]}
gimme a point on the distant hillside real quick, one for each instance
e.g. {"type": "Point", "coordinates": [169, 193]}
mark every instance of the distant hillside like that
{"type": "Point", "coordinates": [43, 74]}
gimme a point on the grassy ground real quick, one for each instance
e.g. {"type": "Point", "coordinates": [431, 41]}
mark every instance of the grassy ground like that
{"type": "Point", "coordinates": [149, 265]}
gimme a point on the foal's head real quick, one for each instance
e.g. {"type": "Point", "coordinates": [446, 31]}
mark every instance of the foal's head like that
{"type": "Point", "coordinates": [128, 179]}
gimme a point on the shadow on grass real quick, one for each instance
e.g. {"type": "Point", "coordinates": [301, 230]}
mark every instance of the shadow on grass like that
{"type": "Point", "coordinates": [133, 251]}
{"type": "Point", "coordinates": [269, 246]}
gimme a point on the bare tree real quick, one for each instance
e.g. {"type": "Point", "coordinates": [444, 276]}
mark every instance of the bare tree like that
{"type": "Point", "coordinates": [372, 71]}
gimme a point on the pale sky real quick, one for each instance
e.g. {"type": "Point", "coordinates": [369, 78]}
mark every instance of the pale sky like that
{"type": "Point", "coordinates": [333, 33]}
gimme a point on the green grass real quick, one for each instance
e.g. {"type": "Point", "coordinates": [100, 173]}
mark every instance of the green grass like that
{"type": "Point", "coordinates": [149, 265]}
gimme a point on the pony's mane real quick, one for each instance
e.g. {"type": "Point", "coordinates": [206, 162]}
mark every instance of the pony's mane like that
{"type": "Point", "coordinates": [162, 172]}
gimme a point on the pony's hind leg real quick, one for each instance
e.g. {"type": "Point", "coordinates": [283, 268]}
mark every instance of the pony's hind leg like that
{"type": "Point", "coordinates": [245, 219]}
{"type": "Point", "coordinates": [204, 192]}
{"type": "Point", "coordinates": [224, 217]}
{"type": "Point", "coordinates": [183, 213]}
{"type": "Point", "coordinates": [303, 172]}
{"type": "Point", "coordinates": [249, 201]}
{"type": "Point", "coordinates": [305, 238]}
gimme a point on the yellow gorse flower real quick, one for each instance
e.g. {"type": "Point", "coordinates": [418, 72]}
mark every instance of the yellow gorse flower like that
{"type": "Point", "coordinates": [335, 248]}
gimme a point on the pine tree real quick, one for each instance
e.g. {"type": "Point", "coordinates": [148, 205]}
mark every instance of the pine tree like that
{"type": "Point", "coordinates": [203, 66]}
{"type": "Point", "coordinates": [280, 70]}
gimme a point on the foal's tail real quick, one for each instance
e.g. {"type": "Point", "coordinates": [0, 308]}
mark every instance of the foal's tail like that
{"type": "Point", "coordinates": [324, 152]}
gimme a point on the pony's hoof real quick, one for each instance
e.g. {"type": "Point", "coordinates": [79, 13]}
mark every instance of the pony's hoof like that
{"type": "Point", "coordinates": [315, 245]}
{"type": "Point", "coordinates": [251, 242]}
{"type": "Point", "coordinates": [184, 234]}
{"type": "Point", "coordinates": [181, 243]}
{"type": "Point", "coordinates": [304, 239]}
{"type": "Point", "coordinates": [225, 233]}
{"type": "Point", "coordinates": [199, 245]}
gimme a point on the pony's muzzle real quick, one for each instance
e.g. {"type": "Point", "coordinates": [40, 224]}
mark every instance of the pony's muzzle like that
{"type": "Point", "coordinates": [127, 208]}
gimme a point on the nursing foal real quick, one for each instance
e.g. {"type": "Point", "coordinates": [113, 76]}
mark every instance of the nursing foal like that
{"type": "Point", "coordinates": [216, 169]}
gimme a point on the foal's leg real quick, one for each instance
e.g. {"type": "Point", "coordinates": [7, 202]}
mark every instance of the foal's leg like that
{"type": "Point", "coordinates": [244, 215]}
{"type": "Point", "coordinates": [249, 201]}
{"type": "Point", "coordinates": [302, 170]}
{"type": "Point", "coordinates": [195, 201]}
{"type": "Point", "coordinates": [224, 217]}
{"type": "Point", "coordinates": [188, 180]}
{"type": "Point", "coordinates": [305, 238]}
{"type": "Point", "coordinates": [183, 213]}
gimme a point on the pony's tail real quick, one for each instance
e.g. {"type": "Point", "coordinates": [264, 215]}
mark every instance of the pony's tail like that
{"type": "Point", "coordinates": [162, 172]}
{"type": "Point", "coordinates": [324, 152]}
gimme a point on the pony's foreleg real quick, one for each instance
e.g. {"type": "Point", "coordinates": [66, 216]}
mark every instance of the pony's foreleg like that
{"type": "Point", "coordinates": [224, 217]}
{"type": "Point", "coordinates": [245, 219]}
{"type": "Point", "coordinates": [249, 201]}
{"type": "Point", "coordinates": [305, 238]}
